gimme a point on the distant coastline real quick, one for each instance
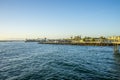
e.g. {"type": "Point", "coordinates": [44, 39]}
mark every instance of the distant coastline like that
{"type": "Point", "coordinates": [78, 40]}
{"type": "Point", "coordinates": [12, 40]}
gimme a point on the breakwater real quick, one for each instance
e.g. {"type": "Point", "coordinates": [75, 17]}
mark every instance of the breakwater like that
{"type": "Point", "coordinates": [83, 44]}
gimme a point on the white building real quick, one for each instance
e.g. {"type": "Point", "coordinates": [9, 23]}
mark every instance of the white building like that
{"type": "Point", "coordinates": [114, 38]}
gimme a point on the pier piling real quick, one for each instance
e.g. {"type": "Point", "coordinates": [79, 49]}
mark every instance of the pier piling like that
{"type": "Point", "coordinates": [116, 49]}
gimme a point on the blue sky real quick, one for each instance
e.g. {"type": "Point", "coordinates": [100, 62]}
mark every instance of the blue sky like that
{"type": "Point", "coordinates": [20, 19]}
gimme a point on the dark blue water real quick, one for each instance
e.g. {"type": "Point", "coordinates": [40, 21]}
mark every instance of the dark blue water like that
{"type": "Point", "coordinates": [32, 61]}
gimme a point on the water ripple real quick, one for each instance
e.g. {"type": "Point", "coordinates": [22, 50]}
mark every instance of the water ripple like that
{"type": "Point", "coordinates": [32, 61]}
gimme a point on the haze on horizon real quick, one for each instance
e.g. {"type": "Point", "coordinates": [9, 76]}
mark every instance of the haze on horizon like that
{"type": "Point", "coordinates": [20, 19]}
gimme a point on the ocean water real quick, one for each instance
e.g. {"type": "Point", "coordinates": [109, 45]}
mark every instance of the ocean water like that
{"type": "Point", "coordinates": [32, 61]}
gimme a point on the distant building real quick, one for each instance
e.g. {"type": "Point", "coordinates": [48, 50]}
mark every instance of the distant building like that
{"type": "Point", "coordinates": [114, 38]}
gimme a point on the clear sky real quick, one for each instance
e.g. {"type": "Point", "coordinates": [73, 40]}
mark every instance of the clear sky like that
{"type": "Point", "coordinates": [20, 19]}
